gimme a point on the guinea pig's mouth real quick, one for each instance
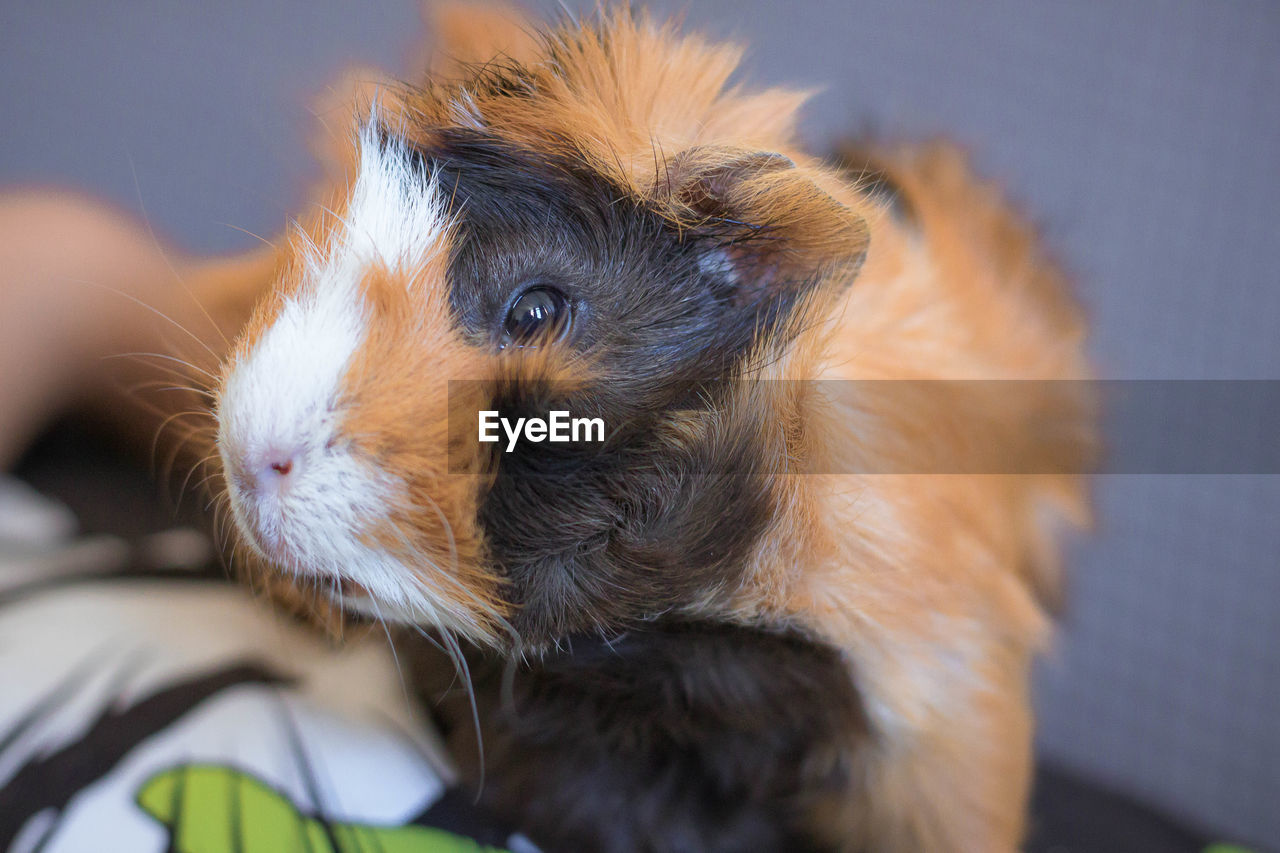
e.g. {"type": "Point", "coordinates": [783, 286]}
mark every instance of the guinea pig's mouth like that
{"type": "Point", "coordinates": [299, 531]}
{"type": "Point", "coordinates": [328, 525]}
{"type": "Point", "coordinates": [270, 547]}
{"type": "Point", "coordinates": [276, 551]}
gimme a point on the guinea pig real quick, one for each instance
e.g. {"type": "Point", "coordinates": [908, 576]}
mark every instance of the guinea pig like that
{"type": "Point", "coordinates": [743, 614]}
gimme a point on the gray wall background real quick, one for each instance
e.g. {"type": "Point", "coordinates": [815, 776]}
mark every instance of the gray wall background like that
{"type": "Point", "coordinates": [1144, 136]}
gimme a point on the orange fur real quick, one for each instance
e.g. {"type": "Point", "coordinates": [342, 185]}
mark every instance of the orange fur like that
{"type": "Point", "coordinates": [931, 581]}
{"type": "Point", "coordinates": [395, 418]}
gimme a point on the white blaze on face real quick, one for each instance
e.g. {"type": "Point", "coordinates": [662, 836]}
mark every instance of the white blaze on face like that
{"type": "Point", "coordinates": [297, 491]}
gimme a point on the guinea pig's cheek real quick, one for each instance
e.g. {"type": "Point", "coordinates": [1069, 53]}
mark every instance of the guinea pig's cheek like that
{"type": "Point", "coordinates": [330, 477]}
{"type": "Point", "coordinates": [430, 567]}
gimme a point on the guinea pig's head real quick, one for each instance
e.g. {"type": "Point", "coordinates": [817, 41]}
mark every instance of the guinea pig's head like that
{"type": "Point", "coordinates": [600, 228]}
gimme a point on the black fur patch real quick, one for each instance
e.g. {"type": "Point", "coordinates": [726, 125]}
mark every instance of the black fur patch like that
{"type": "Point", "coordinates": [680, 736]}
{"type": "Point", "coordinates": [650, 300]}
{"type": "Point", "coordinates": [597, 538]}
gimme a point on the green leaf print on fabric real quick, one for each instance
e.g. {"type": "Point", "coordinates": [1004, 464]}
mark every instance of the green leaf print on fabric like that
{"type": "Point", "coordinates": [213, 809]}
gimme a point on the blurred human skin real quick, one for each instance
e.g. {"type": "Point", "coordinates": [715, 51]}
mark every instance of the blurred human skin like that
{"type": "Point", "coordinates": [87, 297]}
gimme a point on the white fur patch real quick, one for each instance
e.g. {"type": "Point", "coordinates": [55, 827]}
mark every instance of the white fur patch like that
{"type": "Point", "coordinates": [396, 213]}
{"type": "Point", "coordinates": [286, 396]}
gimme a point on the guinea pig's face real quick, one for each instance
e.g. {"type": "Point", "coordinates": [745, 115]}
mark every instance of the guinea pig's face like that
{"type": "Point", "coordinates": [466, 271]}
{"type": "Point", "coordinates": [331, 422]}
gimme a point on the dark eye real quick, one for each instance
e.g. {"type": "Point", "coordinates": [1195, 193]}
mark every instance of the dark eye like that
{"type": "Point", "coordinates": [539, 315]}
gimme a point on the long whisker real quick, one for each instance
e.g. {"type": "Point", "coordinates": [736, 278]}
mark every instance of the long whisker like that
{"type": "Point", "coordinates": [337, 593]}
{"type": "Point", "coordinates": [207, 477]}
{"type": "Point", "coordinates": [264, 240]}
{"type": "Point", "coordinates": [173, 358]}
{"type": "Point", "coordinates": [395, 657]}
{"type": "Point", "coordinates": [194, 431]}
{"type": "Point", "coordinates": [146, 219]}
{"type": "Point", "coordinates": [155, 442]}
{"type": "Point", "coordinates": [460, 664]}
{"type": "Point", "coordinates": [452, 648]}
{"type": "Point", "coordinates": [163, 316]}
{"type": "Point", "coordinates": [430, 639]}
{"type": "Point", "coordinates": [166, 385]}
{"type": "Point", "coordinates": [187, 479]}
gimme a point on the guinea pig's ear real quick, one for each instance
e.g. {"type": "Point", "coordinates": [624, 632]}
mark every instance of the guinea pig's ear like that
{"type": "Point", "coordinates": [781, 234]}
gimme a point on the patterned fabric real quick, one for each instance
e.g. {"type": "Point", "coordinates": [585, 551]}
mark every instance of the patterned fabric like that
{"type": "Point", "coordinates": [148, 707]}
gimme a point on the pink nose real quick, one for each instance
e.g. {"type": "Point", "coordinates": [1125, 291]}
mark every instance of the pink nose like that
{"type": "Point", "coordinates": [273, 470]}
